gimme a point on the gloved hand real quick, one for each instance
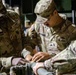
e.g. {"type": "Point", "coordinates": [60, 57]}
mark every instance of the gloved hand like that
{"type": "Point", "coordinates": [18, 61]}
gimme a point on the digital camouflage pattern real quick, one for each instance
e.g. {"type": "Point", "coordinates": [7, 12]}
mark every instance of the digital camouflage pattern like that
{"type": "Point", "coordinates": [65, 61]}
{"type": "Point", "coordinates": [45, 7]}
{"type": "Point", "coordinates": [55, 40]}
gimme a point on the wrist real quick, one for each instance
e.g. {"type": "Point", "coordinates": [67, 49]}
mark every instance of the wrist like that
{"type": "Point", "coordinates": [28, 57]}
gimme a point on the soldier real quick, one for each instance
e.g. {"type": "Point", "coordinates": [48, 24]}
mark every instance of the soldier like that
{"type": "Point", "coordinates": [56, 32]}
{"type": "Point", "coordinates": [12, 40]}
{"type": "Point", "coordinates": [56, 37]}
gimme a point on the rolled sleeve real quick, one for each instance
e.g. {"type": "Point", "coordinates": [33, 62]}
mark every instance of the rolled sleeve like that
{"type": "Point", "coordinates": [25, 53]}
{"type": "Point", "coordinates": [6, 62]}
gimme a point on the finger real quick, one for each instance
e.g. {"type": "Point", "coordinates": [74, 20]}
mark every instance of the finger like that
{"type": "Point", "coordinates": [22, 62]}
{"type": "Point", "coordinates": [40, 59]}
{"type": "Point", "coordinates": [36, 58]}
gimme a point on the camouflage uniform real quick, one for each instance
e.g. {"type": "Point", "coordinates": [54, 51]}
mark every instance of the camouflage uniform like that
{"type": "Point", "coordinates": [65, 61]}
{"type": "Point", "coordinates": [53, 39]}
{"type": "Point", "coordinates": [12, 39]}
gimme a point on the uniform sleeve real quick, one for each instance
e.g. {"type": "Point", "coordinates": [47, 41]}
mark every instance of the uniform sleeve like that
{"type": "Point", "coordinates": [25, 52]}
{"type": "Point", "coordinates": [25, 43]}
{"type": "Point", "coordinates": [6, 62]}
{"type": "Point", "coordinates": [65, 60]}
{"type": "Point", "coordinates": [30, 42]}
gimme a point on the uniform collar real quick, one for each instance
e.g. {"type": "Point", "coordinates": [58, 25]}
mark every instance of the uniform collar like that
{"type": "Point", "coordinates": [58, 27]}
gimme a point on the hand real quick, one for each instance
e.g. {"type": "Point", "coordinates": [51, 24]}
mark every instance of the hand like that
{"type": "Point", "coordinates": [37, 66]}
{"type": "Point", "coordinates": [18, 61]}
{"type": "Point", "coordinates": [40, 56]}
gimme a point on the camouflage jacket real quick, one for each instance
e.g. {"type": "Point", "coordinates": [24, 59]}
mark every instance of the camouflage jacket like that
{"type": "Point", "coordinates": [54, 40]}
{"type": "Point", "coordinates": [12, 39]}
{"type": "Point", "coordinates": [65, 61]}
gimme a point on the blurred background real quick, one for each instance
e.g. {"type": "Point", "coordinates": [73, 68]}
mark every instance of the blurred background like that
{"type": "Point", "coordinates": [25, 8]}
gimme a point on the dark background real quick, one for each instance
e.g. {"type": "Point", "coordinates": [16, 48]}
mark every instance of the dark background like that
{"type": "Point", "coordinates": [27, 7]}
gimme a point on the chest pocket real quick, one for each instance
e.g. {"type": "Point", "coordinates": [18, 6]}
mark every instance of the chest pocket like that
{"type": "Point", "coordinates": [52, 46]}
